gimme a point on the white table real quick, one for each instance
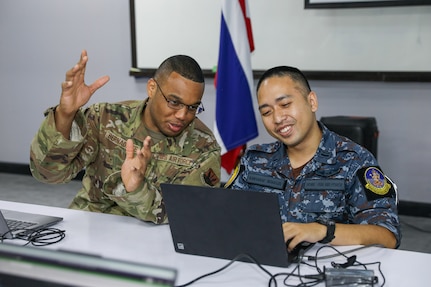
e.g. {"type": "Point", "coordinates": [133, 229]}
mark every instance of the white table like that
{"type": "Point", "coordinates": [127, 238]}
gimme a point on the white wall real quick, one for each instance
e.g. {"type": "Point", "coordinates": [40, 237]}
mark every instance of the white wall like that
{"type": "Point", "coordinates": [40, 40]}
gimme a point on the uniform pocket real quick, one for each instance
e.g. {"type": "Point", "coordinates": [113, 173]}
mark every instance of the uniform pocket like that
{"type": "Point", "coordinates": [323, 201]}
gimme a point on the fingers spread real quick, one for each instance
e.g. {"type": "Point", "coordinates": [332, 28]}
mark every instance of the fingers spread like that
{"type": "Point", "coordinates": [98, 84]}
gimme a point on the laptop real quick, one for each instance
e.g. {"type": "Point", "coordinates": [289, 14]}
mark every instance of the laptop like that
{"type": "Point", "coordinates": [32, 266]}
{"type": "Point", "coordinates": [17, 224]}
{"type": "Point", "coordinates": [224, 223]}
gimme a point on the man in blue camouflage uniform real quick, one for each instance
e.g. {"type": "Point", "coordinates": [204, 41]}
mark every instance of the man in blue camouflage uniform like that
{"type": "Point", "coordinates": [127, 149]}
{"type": "Point", "coordinates": [330, 189]}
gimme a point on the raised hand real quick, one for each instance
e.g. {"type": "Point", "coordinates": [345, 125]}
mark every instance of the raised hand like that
{"type": "Point", "coordinates": [134, 166]}
{"type": "Point", "coordinates": [75, 93]}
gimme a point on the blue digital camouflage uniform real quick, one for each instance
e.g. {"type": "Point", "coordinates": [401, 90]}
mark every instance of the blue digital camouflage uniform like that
{"type": "Point", "coordinates": [341, 182]}
{"type": "Point", "coordinates": [98, 140]}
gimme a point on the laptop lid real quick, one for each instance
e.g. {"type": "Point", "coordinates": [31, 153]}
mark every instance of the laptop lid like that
{"type": "Point", "coordinates": [37, 221]}
{"type": "Point", "coordinates": [30, 266]}
{"type": "Point", "coordinates": [225, 223]}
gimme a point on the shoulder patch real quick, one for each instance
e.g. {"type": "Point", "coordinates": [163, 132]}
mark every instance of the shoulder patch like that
{"type": "Point", "coordinates": [209, 177]}
{"type": "Point", "coordinates": [239, 168]}
{"type": "Point", "coordinates": [375, 183]}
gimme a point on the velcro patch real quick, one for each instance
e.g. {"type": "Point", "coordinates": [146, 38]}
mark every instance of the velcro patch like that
{"type": "Point", "coordinates": [375, 183]}
{"type": "Point", "coordinates": [324, 184]}
{"type": "Point", "coordinates": [266, 180]}
{"type": "Point", "coordinates": [210, 177]}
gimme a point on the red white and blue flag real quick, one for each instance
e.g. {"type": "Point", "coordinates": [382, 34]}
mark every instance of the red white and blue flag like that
{"type": "Point", "coordinates": [235, 119]}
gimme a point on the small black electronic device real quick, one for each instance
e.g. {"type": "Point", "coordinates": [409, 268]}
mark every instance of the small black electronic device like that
{"type": "Point", "coordinates": [298, 250]}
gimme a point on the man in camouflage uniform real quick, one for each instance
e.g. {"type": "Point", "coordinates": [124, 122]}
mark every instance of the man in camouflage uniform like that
{"type": "Point", "coordinates": [127, 149]}
{"type": "Point", "coordinates": [330, 189]}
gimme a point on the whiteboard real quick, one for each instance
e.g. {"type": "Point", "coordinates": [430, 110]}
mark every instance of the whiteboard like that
{"type": "Point", "coordinates": [364, 39]}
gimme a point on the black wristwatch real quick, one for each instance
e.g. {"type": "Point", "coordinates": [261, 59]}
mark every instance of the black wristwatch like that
{"type": "Point", "coordinates": [330, 231]}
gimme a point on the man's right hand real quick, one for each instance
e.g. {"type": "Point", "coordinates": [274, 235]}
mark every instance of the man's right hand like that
{"type": "Point", "coordinates": [135, 165]}
{"type": "Point", "coordinates": [75, 94]}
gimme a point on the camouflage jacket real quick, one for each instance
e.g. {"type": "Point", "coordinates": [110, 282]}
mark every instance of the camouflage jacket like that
{"type": "Point", "coordinates": [341, 182]}
{"type": "Point", "coordinates": [97, 144]}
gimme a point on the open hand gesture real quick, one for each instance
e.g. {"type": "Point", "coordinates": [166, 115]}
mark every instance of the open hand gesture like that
{"type": "Point", "coordinates": [74, 94]}
{"type": "Point", "coordinates": [134, 166]}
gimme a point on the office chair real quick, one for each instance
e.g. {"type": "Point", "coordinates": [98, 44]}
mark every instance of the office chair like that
{"type": "Point", "coordinates": [362, 130]}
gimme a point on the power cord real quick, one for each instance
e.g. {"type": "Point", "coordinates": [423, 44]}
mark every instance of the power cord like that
{"type": "Point", "coordinates": [338, 253]}
{"type": "Point", "coordinates": [40, 237]}
{"type": "Point", "coordinates": [351, 261]}
{"type": "Point", "coordinates": [237, 258]}
{"type": "Point", "coordinates": [46, 236]}
{"type": "Point", "coordinates": [306, 280]}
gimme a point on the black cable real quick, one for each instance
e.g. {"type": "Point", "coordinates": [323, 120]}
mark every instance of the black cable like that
{"type": "Point", "coordinates": [350, 262]}
{"type": "Point", "coordinates": [44, 237]}
{"type": "Point", "coordinates": [379, 265]}
{"type": "Point", "coordinates": [307, 280]}
{"type": "Point", "coordinates": [249, 257]}
{"type": "Point", "coordinates": [5, 236]}
{"type": "Point", "coordinates": [311, 279]}
{"type": "Point", "coordinates": [314, 258]}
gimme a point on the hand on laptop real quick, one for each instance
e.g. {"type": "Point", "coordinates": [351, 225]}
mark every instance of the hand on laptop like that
{"type": "Point", "coordinates": [296, 233]}
{"type": "Point", "coordinates": [134, 166]}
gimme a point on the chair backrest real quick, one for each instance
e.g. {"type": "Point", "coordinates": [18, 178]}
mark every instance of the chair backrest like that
{"type": "Point", "coordinates": [362, 130]}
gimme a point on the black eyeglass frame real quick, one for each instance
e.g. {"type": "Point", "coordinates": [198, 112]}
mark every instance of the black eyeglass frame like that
{"type": "Point", "coordinates": [176, 105]}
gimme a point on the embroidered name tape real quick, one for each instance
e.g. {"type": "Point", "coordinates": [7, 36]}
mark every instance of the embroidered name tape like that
{"type": "Point", "coordinates": [324, 184]}
{"type": "Point", "coordinates": [265, 180]}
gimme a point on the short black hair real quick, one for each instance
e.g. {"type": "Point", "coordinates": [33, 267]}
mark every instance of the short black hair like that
{"type": "Point", "coordinates": [281, 71]}
{"type": "Point", "coordinates": [184, 65]}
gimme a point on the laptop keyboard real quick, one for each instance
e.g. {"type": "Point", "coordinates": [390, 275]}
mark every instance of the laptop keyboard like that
{"type": "Point", "coordinates": [19, 225]}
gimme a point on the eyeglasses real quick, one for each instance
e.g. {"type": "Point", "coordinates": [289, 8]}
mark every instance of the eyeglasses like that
{"type": "Point", "coordinates": [176, 105]}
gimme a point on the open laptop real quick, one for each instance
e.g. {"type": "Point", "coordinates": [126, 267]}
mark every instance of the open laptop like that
{"type": "Point", "coordinates": [225, 223]}
{"type": "Point", "coordinates": [31, 266]}
{"type": "Point", "coordinates": [15, 224]}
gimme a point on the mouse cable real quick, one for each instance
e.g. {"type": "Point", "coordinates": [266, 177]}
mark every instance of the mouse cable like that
{"type": "Point", "coordinates": [237, 258]}
{"type": "Point", "coordinates": [306, 280]}
{"type": "Point", "coordinates": [339, 253]}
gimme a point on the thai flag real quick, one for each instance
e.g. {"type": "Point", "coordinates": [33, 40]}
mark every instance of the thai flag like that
{"type": "Point", "coordinates": [235, 119]}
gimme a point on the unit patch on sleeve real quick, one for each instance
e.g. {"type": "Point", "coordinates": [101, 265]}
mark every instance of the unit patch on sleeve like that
{"type": "Point", "coordinates": [375, 183]}
{"type": "Point", "coordinates": [209, 177]}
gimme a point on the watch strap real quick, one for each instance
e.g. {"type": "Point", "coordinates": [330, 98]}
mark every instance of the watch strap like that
{"type": "Point", "coordinates": [330, 230]}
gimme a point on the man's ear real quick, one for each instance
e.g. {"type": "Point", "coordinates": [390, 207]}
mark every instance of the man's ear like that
{"type": "Point", "coordinates": [312, 100]}
{"type": "Point", "coordinates": [151, 87]}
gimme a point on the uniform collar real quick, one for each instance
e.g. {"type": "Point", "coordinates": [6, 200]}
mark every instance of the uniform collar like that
{"type": "Point", "coordinates": [326, 152]}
